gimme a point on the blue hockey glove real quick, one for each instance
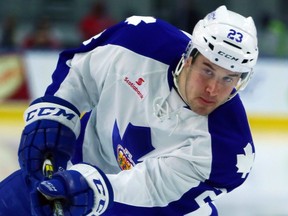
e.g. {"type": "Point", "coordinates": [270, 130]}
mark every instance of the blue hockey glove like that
{"type": "Point", "coordinates": [52, 127]}
{"type": "Point", "coordinates": [82, 190]}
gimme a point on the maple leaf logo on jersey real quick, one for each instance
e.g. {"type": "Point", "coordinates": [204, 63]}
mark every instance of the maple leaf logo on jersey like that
{"type": "Point", "coordinates": [135, 20]}
{"type": "Point", "coordinates": [245, 161]}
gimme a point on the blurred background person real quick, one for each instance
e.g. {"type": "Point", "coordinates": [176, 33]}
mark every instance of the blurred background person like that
{"type": "Point", "coordinates": [190, 14]}
{"type": "Point", "coordinates": [41, 36]}
{"type": "Point", "coordinates": [8, 33]}
{"type": "Point", "coordinates": [273, 36]}
{"type": "Point", "coordinates": [95, 21]}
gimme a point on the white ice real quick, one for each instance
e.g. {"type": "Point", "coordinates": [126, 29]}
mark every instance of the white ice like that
{"type": "Point", "coordinates": [265, 193]}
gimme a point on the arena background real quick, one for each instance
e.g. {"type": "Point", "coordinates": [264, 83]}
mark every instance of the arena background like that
{"type": "Point", "coordinates": [24, 74]}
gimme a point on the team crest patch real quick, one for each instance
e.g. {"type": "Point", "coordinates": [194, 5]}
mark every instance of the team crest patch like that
{"type": "Point", "coordinates": [132, 145]}
{"type": "Point", "coordinates": [124, 158]}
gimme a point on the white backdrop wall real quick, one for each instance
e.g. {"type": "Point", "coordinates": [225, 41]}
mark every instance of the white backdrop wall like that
{"type": "Point", "coordinates": [266, 94]}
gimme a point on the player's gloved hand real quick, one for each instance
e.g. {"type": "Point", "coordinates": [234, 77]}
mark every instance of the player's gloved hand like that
{"type": "Point", "coordinates": [52, 127]}
{"type": "Point", "coordinates": [82, 190]}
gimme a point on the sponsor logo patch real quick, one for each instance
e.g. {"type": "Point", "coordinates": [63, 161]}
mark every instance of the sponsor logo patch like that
{"type": "Point", "coordinates": [137, 85]}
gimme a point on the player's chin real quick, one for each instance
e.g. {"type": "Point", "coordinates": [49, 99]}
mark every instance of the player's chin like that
{"type": "Point", "coordinates": [208, 108]}
{"type": "Point", "coordinates": [203, 110]}
{"type": "Point", "coordinates": [203, 107]}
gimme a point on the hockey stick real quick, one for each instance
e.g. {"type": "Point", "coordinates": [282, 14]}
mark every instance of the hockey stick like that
{"type": "Point", "coordinates": [48, 171]}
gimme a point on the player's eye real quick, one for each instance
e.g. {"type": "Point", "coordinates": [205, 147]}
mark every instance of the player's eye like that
{"type": "Point", "coordinates": [228, 79]}
{"type": "Point", "coordinates": [207, 72]}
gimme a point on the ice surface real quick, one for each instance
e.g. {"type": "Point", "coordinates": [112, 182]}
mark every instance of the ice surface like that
{"type": "Point", "coordinates": [265, 193]}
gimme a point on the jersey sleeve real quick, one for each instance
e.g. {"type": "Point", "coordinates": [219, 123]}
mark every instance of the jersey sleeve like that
{"type": "Point", "coordinates": [73, 80]}
{"type": "Point", "coordinates": [232, 145]}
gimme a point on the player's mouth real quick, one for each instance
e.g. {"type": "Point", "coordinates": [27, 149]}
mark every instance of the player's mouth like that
{"type": "Point", "coordinates": [206, 101]}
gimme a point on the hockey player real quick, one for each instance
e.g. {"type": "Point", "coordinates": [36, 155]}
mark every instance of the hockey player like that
{"type": "Point", "coordinates": [162, 131]}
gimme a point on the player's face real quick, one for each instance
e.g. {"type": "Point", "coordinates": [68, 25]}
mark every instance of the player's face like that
{"type": "Point", "coordinates": [204, 85]}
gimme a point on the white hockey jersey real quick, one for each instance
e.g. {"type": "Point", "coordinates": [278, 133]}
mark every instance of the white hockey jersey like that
{"type": "Point", "coordinates": [160, 157]}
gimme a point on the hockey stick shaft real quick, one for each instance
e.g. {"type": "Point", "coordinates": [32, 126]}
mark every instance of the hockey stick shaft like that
{"type": "Point", "coordinates": [48, 171]}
